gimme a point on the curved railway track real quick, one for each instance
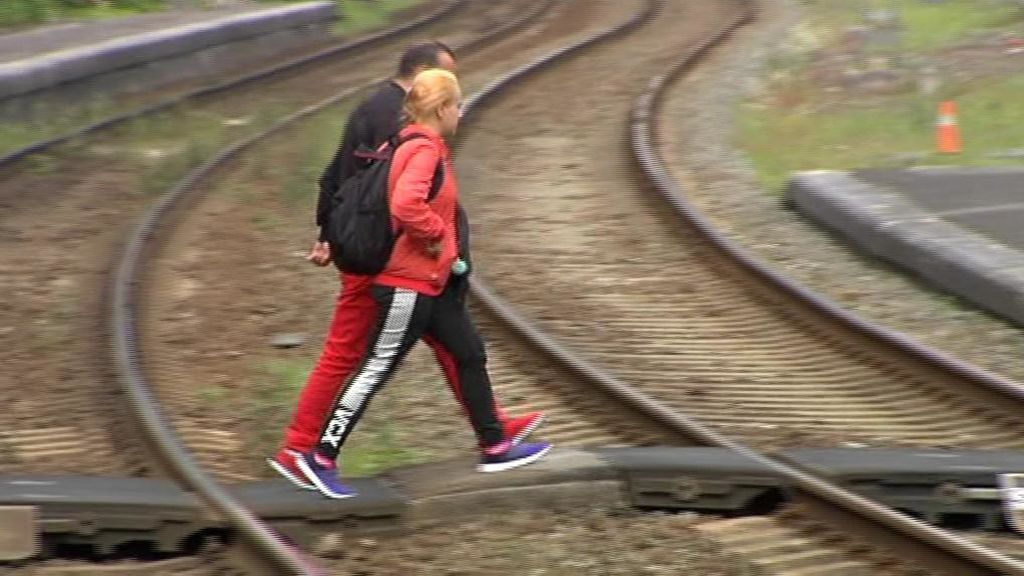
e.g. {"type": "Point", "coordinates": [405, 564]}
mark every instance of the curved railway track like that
{"type": "Point", "coordinates": [499, 371]}
{"type": "Point", "coordinates": [78, 245]}
{"type": "Point", "coordinates": [659, 306]}
{"type": "Point", "coordinates": [194, 324]}
{"type": "Point", "coordinates": [144, 246]}
{"type": "Point", "coordinates": [627, 249]}
{"type": "Point", "coordinates": [696, 334]}
{"type": "Point", "coordinates": [63, 224]}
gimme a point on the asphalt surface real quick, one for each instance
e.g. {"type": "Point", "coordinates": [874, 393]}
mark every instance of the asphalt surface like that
{"type": "Point", "coordinates": [987, 201]}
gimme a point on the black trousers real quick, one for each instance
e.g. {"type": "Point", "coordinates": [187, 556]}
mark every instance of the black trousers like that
{"type": "Point", "coordinates": [403, 317]}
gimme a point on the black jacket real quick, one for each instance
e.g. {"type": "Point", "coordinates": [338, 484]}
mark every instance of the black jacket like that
{"type": "Point", "coordinates": [375, 120]}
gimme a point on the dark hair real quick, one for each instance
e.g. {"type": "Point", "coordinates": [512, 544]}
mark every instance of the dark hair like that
{"type": "Point", "coordinates": [423, 54]}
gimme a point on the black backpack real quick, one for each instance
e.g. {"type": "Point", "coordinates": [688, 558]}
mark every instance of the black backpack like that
{"type": "Point", "coordinates": [359, 226]}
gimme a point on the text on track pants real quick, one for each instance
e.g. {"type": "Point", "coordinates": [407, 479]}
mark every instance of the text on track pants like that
{"type": "Point", "coordinates": [403, 317]}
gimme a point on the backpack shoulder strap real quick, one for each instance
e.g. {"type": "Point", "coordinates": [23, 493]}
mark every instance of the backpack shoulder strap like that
{"type": "Point", "coordinates": [438, 181]}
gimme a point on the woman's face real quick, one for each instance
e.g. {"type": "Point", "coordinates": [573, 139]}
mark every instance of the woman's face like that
{"type": "Point", "coordinates": [450, 115]}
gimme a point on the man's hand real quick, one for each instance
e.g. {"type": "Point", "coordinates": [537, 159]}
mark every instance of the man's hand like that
{"type": "Point", "coordinates": [320, 254]}
{"type": "Point", "coordinates": [433, 249]}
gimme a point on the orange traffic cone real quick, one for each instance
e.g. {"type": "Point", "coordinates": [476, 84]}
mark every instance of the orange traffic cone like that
{"type": "Point", "coordinates": [948, 132]}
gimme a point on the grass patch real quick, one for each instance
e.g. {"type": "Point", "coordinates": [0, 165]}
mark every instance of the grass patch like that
{"type": "Point", "coordinates": [779, 142]}
{"type": "Point", "coordinates": [212, 394]}
{"type": "Point", "coordinates": [811, 116]}
{"type": "Point", "coordinates": [373, 447]}
{"type": "Point", "coordinates": [22, 127]}
{"type": "Point", "coordinates": [276, 385]}
{"type": "Point", "coordinates": [293, 170]}
{"type": "Point", "coordinates": [925, 24]}
{"type": "Point", "coordinates": [15, 13]}
{"type": "Point", "coordinates": [358, 15]}
{"type": "Point", "coordinates": [362, 15]}
{"type": "Point", "coordinates": [163, 148]}
{"type": "Point", "coordinates": [935, 24]}
{"type": "Point", "coordinates": [320, 139]}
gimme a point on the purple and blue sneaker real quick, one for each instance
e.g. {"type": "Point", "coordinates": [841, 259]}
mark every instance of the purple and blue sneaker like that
{"type": "Point", "coordinates": [322, 472]}
{"type": "Point", "coordinates": [506, 456]}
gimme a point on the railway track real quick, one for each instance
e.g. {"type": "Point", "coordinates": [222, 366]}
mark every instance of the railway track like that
{"type": "Point", "coordinates": [195, 324]}
{"type": "Point", "coordinates": [65, 213]}
{"type": "Point", "coordinates": [659, 306]}
{"type": "Point", "coordinates": [62, 245]}
{"type": "Point", "coordinates": [79, 227]}
{"type": "Point", "coordinates": [215, 453]}
{"type": "Point", "coordinates": [844, 563]}
{"type": "Point", "coordinates": [563, 387]}
{"type": "Point", "coordinates": [688, 323]}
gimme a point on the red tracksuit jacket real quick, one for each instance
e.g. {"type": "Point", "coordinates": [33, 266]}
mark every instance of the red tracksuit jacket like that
{"type": "Point", "coordinates": [421, 222]}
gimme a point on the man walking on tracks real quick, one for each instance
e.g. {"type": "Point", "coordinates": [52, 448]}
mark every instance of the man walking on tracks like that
{"type": "Point", "coordinates": [371, 124]}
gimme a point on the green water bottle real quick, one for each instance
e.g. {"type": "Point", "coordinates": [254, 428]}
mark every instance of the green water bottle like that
{"type": "Point", "coordinates": [459, 267]}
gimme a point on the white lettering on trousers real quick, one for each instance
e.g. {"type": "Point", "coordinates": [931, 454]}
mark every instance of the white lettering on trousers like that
{"type": "Point", "coordinates": [384, 353]}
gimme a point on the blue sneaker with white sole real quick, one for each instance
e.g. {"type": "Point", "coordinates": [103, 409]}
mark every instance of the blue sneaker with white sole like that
{"type": "Point", "coordinates": [506, 455]}
{"type": "Point", "coordinates": [322, 472]}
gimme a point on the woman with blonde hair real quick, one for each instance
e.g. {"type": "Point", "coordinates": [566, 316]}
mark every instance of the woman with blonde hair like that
{"type": "Point", "coordinates": [418, 292]}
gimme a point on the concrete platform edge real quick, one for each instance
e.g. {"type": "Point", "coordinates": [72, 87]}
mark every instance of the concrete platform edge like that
{"type": "Point", "coordinates": [32, 74]}
{"type": "Point", "coordinates": [888, 226]}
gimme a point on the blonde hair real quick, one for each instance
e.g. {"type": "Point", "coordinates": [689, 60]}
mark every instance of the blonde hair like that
{"type": "Point", "coordinates": [431, 91]}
